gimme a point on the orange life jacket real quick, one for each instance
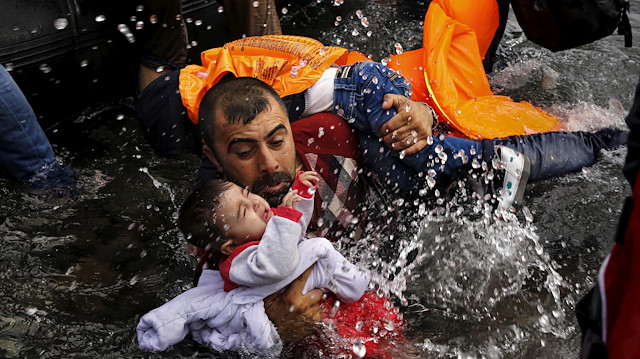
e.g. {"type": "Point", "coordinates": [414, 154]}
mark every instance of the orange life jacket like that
{"type": "Point", "coordinates": [289, 64]}
{"type": "Point", "coordinates": [447, 72]}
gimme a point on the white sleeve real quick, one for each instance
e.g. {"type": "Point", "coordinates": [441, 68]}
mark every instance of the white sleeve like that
{"type": "Point", "coordinates": [305, 206]}
{"type": "Point", "coordinates": [319, 97]}
{"type": "Point", "coordinates": [335, 273]}
{"type": "Point", "coordinates": [273, 259]}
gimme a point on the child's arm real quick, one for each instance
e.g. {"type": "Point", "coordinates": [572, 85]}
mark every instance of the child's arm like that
{"type": "Point", "coordinates": [306, 183]}
{"type": "Point", "coordinates": [333, 271]}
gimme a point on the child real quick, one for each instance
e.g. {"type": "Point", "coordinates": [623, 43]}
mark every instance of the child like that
{"type": "Point", "coordinates": [356, 93]}
{"type": "Point", "coordinates": [260, 251]}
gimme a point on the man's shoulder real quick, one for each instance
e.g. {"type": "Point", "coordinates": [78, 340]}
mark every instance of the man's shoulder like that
{"type": "Point", "coordinates": [325, 133]}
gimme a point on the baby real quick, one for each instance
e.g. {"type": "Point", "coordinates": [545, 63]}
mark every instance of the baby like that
{"type": "Point", "coordinates": [260, 250]}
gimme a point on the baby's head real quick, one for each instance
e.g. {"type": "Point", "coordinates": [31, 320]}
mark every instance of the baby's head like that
{"type": "Point", "coordinates": [220, 216]}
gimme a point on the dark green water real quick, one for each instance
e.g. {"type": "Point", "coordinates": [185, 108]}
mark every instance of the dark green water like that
{"type": "Point", "coordinates": [78, 270]}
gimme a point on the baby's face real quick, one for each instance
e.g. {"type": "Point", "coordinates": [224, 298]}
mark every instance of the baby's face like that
{"type": "Point", "coordinates": [244, 214]}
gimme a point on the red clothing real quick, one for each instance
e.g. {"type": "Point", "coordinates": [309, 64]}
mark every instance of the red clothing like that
{"type": "Point", "coordinates": [328, 145]}
{"type": "Point", "coordinates": [621, 324]}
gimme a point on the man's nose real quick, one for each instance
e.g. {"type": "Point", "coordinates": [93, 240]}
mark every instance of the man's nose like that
{"type": "Point", "coordinates": [268, 162]}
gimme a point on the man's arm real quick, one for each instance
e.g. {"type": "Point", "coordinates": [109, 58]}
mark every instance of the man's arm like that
{"type": "Point", "coordinates": [295, 315]}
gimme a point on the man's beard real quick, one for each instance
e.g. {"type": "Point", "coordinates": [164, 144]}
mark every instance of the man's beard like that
{"type": "Point", "coordinates": [274, 198]}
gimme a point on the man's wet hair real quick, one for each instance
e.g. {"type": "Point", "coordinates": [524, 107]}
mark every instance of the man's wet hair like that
{"type": "Point", "coordinates": [197, 217]}
{"type": "Point", "coordinates": [240, 99]}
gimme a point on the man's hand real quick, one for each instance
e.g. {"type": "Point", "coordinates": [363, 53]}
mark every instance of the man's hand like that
{"type": "Point", "coordinates": [291, 312]}
{"type": "Point", "coordinates": [409, 128]}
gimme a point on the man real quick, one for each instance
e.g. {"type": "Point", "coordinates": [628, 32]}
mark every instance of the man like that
{"type": "Point", "coordinates": [249, 139]}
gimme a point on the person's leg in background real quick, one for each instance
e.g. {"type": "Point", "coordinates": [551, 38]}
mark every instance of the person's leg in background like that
{"type": "Point", "coordinates": [243, 18]}
{"type": "Point", "coordinates": [25, 151]}
{"type": "Point", "coordinates": [166, 48]}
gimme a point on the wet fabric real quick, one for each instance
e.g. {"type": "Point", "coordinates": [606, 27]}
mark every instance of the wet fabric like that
{"type": "Point", "coordinates": [237, 320]}
{"type": "Point", "coordinates": [289, 64]}
{"type": "Point", "coordinates": [25, 151]}
{"type": "Point", "coordinates": [326, 144]}
{"type": "Point", "coordinates": [373, 321]}
{"type": "Point", "coordinates": [358, 95]}
{"type": "Point", "coordinates": [609, 313]}
{"type": "Point", "coordinates": [448, 74]}
{"type": "Point", "coordinates": [164, 43]}
{"type": "Point", "coordinates": [245, 19]}
{"type": "Point", "coordinates": [163, 118]}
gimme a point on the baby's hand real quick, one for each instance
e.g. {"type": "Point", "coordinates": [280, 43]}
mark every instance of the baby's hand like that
{"type": "Point", "coordinates": [309, 178]}
{"type": "Point", "coordinates": [290, 199]}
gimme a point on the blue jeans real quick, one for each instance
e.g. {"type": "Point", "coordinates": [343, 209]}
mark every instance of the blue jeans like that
{"type": "Point", "coordinates": [25, 151]}
{"type": "Point", "coordinates": [358, 94]}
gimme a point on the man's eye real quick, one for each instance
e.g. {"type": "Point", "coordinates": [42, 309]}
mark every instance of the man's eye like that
{"type": "Point", "coordinates": [244, 153]}
{"type": "Point", "coordinates": [277, 143]}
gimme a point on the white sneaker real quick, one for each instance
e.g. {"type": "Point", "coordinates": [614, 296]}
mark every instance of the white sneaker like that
{"type": "Point", "coordinates": [516, 167]}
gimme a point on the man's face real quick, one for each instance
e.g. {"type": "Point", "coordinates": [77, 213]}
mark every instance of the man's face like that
{"type": "Point", "coordinates": [259, 155]}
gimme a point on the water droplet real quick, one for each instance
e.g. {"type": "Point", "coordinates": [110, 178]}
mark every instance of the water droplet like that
{"type": "Point", "coordinates": [355, 32]}
{"type": "Point", "coordinates": [369, 32]}
{"type": "Point", "coordinates": [256, 3]}
{"type": "Point", "coordinates": [339, 18]}
{"type": "Point", "coordinates": [139, 25]}
{"type": "Point", "coordinates": [402, 154]}
{"type": "Point", "coordinates": [472, 151]}
{"type": "Point", "coordinates": [100, 18]}
{"type": "Point", "coordinates": [45, 68]}
{"type": "Point", "coordinates": [398, 47]}
{"type": "Point", "coordinates": [320, 132]}
{"type": "Point", "coordinates": [84, 63]}
{"type": "Point", "coordinates": [9, 66]}
{"type": "Point", "coordinates": [359, 349]}
{"type": "Point", "coordinates": [140, 8]}
{"type": "Point", "coordinates": [60, 23]}
{"type": "Point", "coordinates": [134, 280]}
{"type": "Point", "coordinates": [429, 140]}
{"type": "Point", "coordinates": [431, 182]}
{"type": "Point", "coordinates": [30, 310]}
{"type": "Point", "coordinates": [133, 18]}
{"type": "Point", "coordinates": [284, 10]}
{"type": "Point", "coordinates": [153, 19]}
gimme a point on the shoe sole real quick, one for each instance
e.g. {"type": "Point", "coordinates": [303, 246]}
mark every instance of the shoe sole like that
{"type": "Point", "coordinates": [523, 180]}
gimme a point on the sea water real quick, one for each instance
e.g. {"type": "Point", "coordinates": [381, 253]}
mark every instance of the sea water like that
{"type": "Point", "coordinates": [77, 270]}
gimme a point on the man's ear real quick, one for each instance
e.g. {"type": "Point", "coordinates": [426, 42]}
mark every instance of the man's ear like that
{"type": "Point", "coordinates": [212, 157]}
{"type": "Point", "coordinates": [227, 247]}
